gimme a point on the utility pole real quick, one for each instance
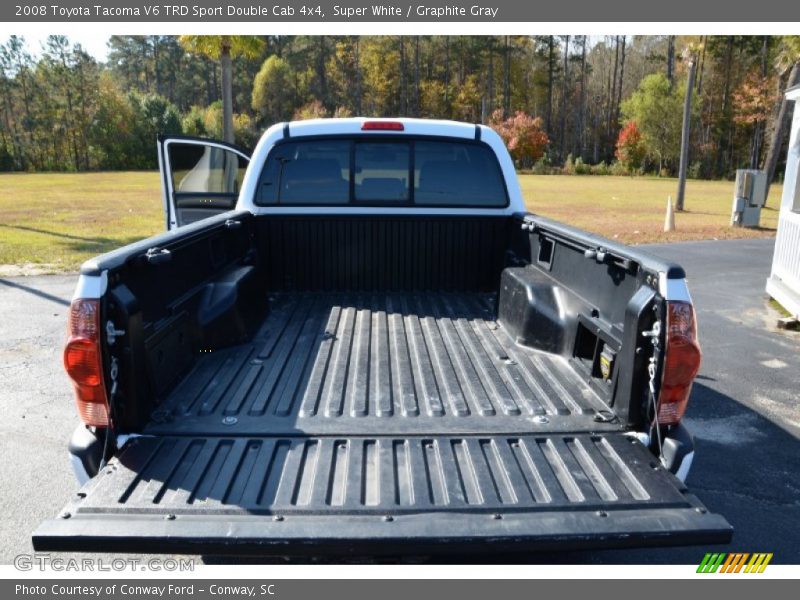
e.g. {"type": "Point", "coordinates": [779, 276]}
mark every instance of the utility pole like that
{"type": "Point", "coordinates": [671, 59]}
{"type": "Point", "coordinates": [227, 89]}
{"type": "Point", "coordinates": [779, 129]}
{"type": "Point", "coordinates": [687, 114]}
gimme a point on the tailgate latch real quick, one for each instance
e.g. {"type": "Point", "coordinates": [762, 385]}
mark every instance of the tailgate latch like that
{"type": "Point", "coordinates": [112, 333]}
{"type": "Point", "coordinates": [157, 256]}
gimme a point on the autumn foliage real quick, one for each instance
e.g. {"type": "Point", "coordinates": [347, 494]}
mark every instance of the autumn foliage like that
{"type": "Point", "coordinates": [310, 110]}
{"type": "Point", "coordinates": [631, 149]}
{"type": "Point", "coordinates": [522, 134]}
{"type": "Point", "coordinates": [753, 100]}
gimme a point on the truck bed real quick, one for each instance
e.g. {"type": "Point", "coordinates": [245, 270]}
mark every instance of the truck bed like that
{"type": "Point", "coordinates": [422, 364]}
{"type": "Point", "coordinates": [382, 424]}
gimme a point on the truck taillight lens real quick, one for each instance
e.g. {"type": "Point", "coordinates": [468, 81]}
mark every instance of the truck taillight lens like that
{"type": "Point", "coordinates": [681, 363]}
{"type": "Point", "coordinates": [83, 362]}
{"type": "Point", "coordinates": [382, 126]}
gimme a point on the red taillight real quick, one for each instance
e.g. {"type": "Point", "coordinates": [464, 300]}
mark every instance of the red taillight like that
{"type": "Point", "coordinates": [83, 362]}
{"type": "Point", "coordinates": [681, 362]}
{"type": "Point", "coordinates": [382, 126]}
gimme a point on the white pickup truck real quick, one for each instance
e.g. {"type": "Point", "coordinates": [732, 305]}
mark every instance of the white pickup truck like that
{"type": "Point", "coordinates": [358, 341]}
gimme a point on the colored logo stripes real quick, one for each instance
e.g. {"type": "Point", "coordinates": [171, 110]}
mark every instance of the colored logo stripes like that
{"type": "Point", "coordinates": [735, 562]}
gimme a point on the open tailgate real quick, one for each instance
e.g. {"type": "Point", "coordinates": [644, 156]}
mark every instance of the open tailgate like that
{"type": "Point", "coordinates": [384, 495]}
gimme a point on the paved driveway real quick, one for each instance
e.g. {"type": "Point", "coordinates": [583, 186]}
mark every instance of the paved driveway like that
{"type": "Point", "coordinates": [38, 415]}
{"type": "Point", "coordinates": [745, 408]}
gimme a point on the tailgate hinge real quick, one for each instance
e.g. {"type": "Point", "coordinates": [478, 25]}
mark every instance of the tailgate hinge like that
{"type": "Point", "coordinates": [652, 371]}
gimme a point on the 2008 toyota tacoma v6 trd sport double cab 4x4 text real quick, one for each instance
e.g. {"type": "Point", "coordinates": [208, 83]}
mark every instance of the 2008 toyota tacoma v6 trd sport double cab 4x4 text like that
{"type": "Point", "coordinates": [358, 341]}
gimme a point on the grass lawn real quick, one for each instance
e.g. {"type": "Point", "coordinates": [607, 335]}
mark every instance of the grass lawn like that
{"type": "Point", "coordinates": [631, 209]}
{"type": "Point", "coordinates": [53, 222]}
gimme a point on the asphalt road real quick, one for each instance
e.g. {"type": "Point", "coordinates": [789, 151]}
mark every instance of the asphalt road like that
{"type": "Point", "coordinates": [744, 412]}
{"type": "Point", "coordinates": [745, 406]}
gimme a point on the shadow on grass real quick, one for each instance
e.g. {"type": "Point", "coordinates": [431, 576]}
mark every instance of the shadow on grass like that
{"type": "Point", "coordinates": [76, 243]}
{"type": "Point", "coordinates": [46, 232]}
{"type": "Point", "coordinates": [759, 228]}
{"type": "Point", "coordinates": [100, 245]}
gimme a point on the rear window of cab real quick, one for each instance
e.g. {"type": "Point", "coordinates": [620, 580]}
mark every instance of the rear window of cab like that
{"type": "Point", "coordinates": [382, 172]}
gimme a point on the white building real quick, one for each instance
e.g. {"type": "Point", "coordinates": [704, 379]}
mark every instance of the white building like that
{"type": "Point", "coordinates": [784, 281]}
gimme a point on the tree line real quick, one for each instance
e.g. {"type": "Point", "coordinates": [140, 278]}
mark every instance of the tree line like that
{"type": "Point", "coordinates": [562, 102]}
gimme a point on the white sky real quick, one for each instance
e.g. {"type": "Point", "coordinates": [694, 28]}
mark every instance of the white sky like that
{"type": "Point", "coordinates": [94, 45]}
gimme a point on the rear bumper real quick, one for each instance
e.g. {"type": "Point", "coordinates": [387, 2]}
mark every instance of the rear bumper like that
{"type": "Point", "coordinates": [85, 452]}
{"type": "Point", "coordinates": [678, 451]}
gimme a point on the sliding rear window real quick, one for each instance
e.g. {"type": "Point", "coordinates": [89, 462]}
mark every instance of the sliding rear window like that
{"type": "Point", "coordinates": [382, 172]}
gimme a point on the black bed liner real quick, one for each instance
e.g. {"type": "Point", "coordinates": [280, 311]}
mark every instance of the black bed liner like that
{"type": "Point", "coordinates": [384, 495]}
{"type": "Point", "coordinates": [380, 424]}
{"type": "Point", "coordinates": [427, 363]}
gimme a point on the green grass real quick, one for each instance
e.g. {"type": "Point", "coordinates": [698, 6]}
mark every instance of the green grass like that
{"type": "Point", "coordinates": [631, 209]}
{"type": "Point", "coordinates": [52, 222]}
{"type": "Point", "coordinates": [777, 306]}
{"type": "Point", "coordinates": [55, 221]}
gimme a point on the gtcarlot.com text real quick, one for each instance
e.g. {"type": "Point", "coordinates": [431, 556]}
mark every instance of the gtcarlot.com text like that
{"type": "Point", "coordinates": [42, 562]}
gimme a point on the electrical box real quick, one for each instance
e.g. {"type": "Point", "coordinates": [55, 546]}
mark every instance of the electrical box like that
{"type": "Point", "coordinates": [749, 196]}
